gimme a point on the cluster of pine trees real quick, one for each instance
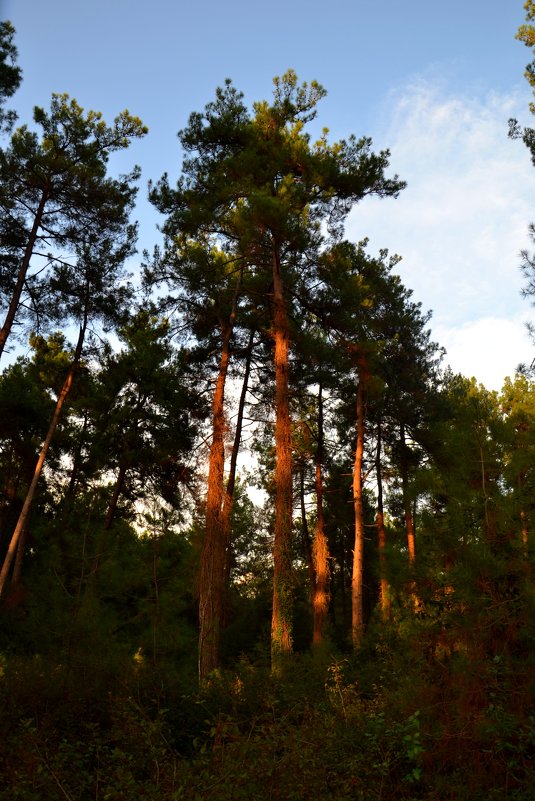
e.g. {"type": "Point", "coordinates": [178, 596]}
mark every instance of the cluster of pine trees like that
{"type": "Point", "coordinates": [387, 580]}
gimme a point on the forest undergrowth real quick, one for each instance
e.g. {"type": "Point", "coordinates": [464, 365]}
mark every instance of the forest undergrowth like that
{"type": "Point", "coordinates": [409, 717]}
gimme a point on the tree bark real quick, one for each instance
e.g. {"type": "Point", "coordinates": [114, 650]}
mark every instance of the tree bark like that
{"type": "Point", "coordinates": [213, 551]}
{"type": "Point", "coordinates": [21, 277]}
{"type": "Point", "coordinates": [231, 482]}
{"type": "Point", "coordinates": [281, 621]}
{"type": "Point", "coordinates": [320, 549]}
{"type": "Point", "coordinates": [25, 512]}
{"type": "Point", "coordinates": [19, 558]}
{"type": "Point", "coordinates": [357, 607]}
{"type": "Point", "coordinates": [213, 555]}
{"type": "Point", "coordinates": [384, 589]}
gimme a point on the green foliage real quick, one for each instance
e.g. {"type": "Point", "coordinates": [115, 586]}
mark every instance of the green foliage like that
{"type": "Point", "coordinates": [58, 204]}
{"type": "Point", "coordinates": [10, 73]}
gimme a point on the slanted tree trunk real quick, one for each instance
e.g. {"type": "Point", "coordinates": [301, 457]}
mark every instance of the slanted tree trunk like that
{"type": "Point", "coordinates": [19, 558]}
{"type": "Point", "coordinates": [213, 555]}
{"type": "Point", "coordinates": [112, 507]}
{"type": "Point", "coordinates": [25, 512]}
{"type": "Point", "coordinates": [320, 549]}
{"type": "Point", "coordinates": [231, 481]}
{"type": "Point", "coordinates": [384, 589]}
{"type": "Point", "coordinates": [281, 621]}
{"type": "Point", "coordinates": [21, 277]}
{"type": "Point", "coordinates": [357, 580]}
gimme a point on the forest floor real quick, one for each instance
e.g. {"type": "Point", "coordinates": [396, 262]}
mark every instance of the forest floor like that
{"type": "Point", "coordinates": [382, 725]}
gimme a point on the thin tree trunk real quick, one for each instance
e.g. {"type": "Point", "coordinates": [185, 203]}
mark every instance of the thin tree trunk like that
{"type": "Point", "coordinates": [21, 277]}
{"type": "Point", "coordinates": [342, 581]}
{"type": "Point", "coordinates": [525, 532]}
{"type": "Point", "coordinates": [25, 512]}
{"type": "Point", "coordinates": [19, 558]}
{"type": "Point", "coordinates": [409, 519]}
{"type": "Point", "coordinates": [213, 555]}
{"type": "Point", "coordinates": [320, 549]}
{"type": "Point", "coordinates": [384, 589]}
{"type": "Point", "coordinates": [307, 546]}
{"type": "Point", "coordinates": [281, 621]}
{"type": "Point", "coordinates": [523, 516]}
{"type": "Point", "coordinates": [69, 495]}
{"type": "Point", "coordinates": [112, 508]}
{"type": "Point", "coordinates": [409, 523]}
{"type": "Point", "coordinates": [231, 482]}
{"type": "Point", "coordinates": [228, 500]}
{"type": "Point", "coordinates": [357, 607]}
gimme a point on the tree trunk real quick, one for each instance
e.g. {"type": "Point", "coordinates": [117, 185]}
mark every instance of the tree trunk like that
{"type": "Point", "coordinates": [409, 519]}
{"type": "Point", "coordinates": [281, 621]}
{"type": "Point", "coordinates": [21, 277]}
{"type": "Point", "coordinates": [525, 532]}
{"type": "Point", "coordinates": [357, 607]}
{"type": "Point", "coordinates": [213, 551]}
{"type": "Point", "coordinates": [384, 589]}
{"type": "Point", "coordinates": [342, 579]}
{"type": "Point", "coordinates": [213, 555]}
{"type": "Point", "coordinates": [320, 548]}
{"type": "Point", "coordinates": [307, 546]}
{"type": "Point", "coordinates": [231, 482]}
{"type": "Point", "coordinates": [112, 508]}
{"type": "Point", "coordinates": [19, 558]}
{"type": "Point", "coordinates": [25, 512]}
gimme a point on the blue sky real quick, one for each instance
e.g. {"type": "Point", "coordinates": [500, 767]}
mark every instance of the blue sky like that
{"type": "Point", "coordinates": [433, 81]}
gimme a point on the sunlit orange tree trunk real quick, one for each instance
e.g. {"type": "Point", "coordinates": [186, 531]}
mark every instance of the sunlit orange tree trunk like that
{"type": "Point", "coordinates": [357, 577]}
{"type": "Point", "coordinates": [320, 550]}
{"type": "Point", "coordinates": [91, 288]}
{"type": "Point", "coordinates": [215, 545]}
{"type": "Point", "coordinates": [281, 621]}
{"type": "Point", "coordinates": [206, 286]}
{"type": "Point", "coordinates": [384, 589]}
{"type": "Point", "coordinates": [22, 522]}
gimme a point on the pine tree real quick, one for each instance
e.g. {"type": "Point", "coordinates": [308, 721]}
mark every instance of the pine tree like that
{"type": "Point", "coordinates": [260, 189]}
{"type": "Point", "coordinates": [56, 199]}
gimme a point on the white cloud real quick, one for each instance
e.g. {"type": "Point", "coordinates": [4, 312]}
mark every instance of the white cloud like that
{"type": "Point", "coordinates": [461, 222]}
{"type": "Point", "coordinates": [489, 348]}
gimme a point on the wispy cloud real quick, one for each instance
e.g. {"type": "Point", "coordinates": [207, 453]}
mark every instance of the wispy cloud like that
{"type": "Point", "coordinates": [461, 222]}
